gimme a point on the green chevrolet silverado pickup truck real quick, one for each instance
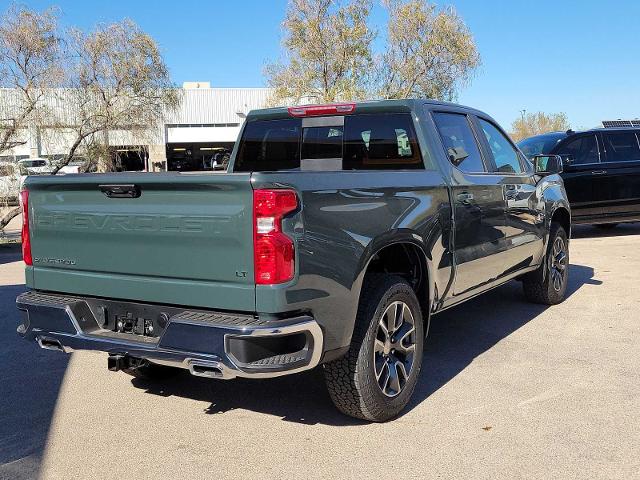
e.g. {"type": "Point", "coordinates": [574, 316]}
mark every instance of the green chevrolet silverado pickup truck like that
{"type": "Point", "coordinates": [336, 233]}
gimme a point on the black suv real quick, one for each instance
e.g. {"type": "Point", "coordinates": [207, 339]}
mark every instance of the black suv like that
{"type": "Point", "coordinates": [601, 172]}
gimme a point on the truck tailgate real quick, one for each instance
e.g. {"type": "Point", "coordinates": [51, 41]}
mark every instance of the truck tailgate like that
{"type": "Point", "coordinates": [185, 240]}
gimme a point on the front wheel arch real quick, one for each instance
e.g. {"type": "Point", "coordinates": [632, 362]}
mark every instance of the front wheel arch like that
{"type": "Point", "coordinates": [562, 216]}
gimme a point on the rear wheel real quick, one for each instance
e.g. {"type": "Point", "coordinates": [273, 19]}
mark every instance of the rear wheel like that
{"type": "Point", "coordinates": [376, 378]}
{"type": "Point", "coordinates": [548, 284]}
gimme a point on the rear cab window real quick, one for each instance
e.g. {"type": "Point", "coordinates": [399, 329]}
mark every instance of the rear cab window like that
{"type": "Point", "coordinates": [352, 142]}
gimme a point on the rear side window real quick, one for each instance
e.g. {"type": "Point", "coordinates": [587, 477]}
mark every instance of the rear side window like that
{"type": "Point", "coordinates": [621, 147]}
{"type": "Point", "coordinates": [580, 151]}
{"type": "Point", "coordinates": [456, 133]}
{"type": "Point", "coordinates": [363, 142]}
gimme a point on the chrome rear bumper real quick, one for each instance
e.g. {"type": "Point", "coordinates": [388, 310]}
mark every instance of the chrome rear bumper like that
{"type": "Point", "coordinates": [208, 344]}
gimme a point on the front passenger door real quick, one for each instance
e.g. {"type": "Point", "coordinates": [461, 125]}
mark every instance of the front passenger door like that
{"type": "Point", "coordinates": [478, 206]}
{"type": "Point", "coordinates": [524, 227]}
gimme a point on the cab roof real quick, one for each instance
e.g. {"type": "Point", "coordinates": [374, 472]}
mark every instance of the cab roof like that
{"type": "Point", "coordinates": [367, 106]}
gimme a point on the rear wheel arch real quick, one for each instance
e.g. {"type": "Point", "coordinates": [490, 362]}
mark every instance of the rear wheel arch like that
{"type": "Point", "coordinates": [408, 260]}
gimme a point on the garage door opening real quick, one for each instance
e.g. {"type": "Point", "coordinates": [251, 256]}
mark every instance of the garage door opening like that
{"type": "Point", "coordinates": [198, 157]}
{"type": "Point", "coordinates": [128, 158]}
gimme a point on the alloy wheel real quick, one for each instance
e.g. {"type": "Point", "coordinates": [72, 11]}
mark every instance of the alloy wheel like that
{"type": "Point", "coordinates": [558, 264]}
{"type": "Point", "coordinates": [394, 349]}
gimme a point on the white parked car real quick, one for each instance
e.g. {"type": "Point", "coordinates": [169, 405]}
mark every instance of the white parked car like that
{"type": "Point", "coordinates": [36, 166]}
{"type": "Point", "coordinates": [72, 167]}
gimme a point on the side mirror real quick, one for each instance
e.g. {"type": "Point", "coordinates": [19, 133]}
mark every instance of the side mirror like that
{"type": "Point", "coordinates": [457, 155]}
{"type": "Point", "coordinates": [547, 164]}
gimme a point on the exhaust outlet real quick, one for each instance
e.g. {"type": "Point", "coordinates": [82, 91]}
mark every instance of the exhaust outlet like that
{"type": "Point", "coordinates": [50, 344]}
{"type": "Point", "coordinates": [206, 369]}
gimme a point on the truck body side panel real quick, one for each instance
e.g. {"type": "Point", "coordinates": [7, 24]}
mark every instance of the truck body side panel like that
{"type": "Point", "coordinates": [346, 217]}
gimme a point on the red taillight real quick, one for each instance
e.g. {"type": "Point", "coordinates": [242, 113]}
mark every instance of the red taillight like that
{"type": "Point", "coordinates": [274, 255]}
{"type": "Point", "coordinates": [318, 110]}
{"type": "Point", "coordinates": [26, 237]}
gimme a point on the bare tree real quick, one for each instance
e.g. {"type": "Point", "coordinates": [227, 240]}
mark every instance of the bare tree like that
{"type": "Point", "coordinates": [430, 53]}
{"type": "Point", "coordinates": [327, 52]}
{"type": "Point", "coordinates": [79, 89]}
{"type": "Point", "coordinates": [119, 83]}
{"type": "Point", "coordinates": [538, 123]}
{"type": "Point", "coordinates": [29, 66]}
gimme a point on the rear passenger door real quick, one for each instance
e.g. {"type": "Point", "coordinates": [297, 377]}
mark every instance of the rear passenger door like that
{"type": "Point", "coordinates": [621, 173]}
{"type": "Point", "coordinates": [479, 239]}
{"type": "Point", "coordinates": [583, 175]}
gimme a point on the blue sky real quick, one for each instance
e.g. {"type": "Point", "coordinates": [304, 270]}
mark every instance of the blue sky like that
{"type": "Point", "coordinates": [577, 57]}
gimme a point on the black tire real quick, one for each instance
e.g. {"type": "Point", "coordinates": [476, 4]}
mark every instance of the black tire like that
{"type": "Point", "coordinates": [606, 226]}
{"type": "Point", "coordinates": [548, 284]}
{"type": "Point", "coordinates": [352, 380]}
{"type": "Point", "coordinates": [152, 371]}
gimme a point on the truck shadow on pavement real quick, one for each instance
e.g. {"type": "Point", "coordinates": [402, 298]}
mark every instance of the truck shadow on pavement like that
{"type": "Point", "coordinates": [10, 252]}
{"type": "Point", "coordinates": [30, 382]}
{"type": "Point", "coordinates": [589, 231]}
{"type": "Point", "coordinates": [456, 337]}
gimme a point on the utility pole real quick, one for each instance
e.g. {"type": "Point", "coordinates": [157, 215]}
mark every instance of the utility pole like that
{"type": "Point", "coordinates": [522, 114]}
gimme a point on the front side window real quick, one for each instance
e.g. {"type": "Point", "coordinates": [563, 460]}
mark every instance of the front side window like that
{"type": "Point", "coordinates": [581, 151]}
{"type": "Point", "coordinates": [621, 147]}
{"type": "Point", "coordinates": [505, 156]}
{"type": "Point", "coordinates": [459, 141]}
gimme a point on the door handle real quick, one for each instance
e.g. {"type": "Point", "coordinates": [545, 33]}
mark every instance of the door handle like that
{"type": "Point", "coordinates": [120, 191]}
{"type": "Point", "coordinates": [599, 172]}
{"type": "Point", "coordinates": [465, 197]}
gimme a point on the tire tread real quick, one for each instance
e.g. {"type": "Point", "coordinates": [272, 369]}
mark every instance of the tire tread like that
{"type": "Point", "coordinates": [345, 376]}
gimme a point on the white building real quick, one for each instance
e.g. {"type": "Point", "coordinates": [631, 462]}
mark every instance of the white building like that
{"type": "Point", "coordinates": [205, 126]}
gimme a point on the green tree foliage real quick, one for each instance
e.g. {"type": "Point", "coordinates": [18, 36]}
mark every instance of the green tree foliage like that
{"type": "Point", "coordinates": [538, 123]}
{"type": "Point", "coordinates": [430, 53]}
{"type": "Point", "coordinates": [328, 53]}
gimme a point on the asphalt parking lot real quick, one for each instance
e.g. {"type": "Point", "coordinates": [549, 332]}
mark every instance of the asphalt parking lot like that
{"type": "Point", "coordinates": [508, 390]}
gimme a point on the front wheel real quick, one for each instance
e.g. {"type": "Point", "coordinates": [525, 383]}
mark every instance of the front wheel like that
{"type": "Point", "coordinates": [376, 378]}
{"type": "Point", "coordinates": [548, 284]}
